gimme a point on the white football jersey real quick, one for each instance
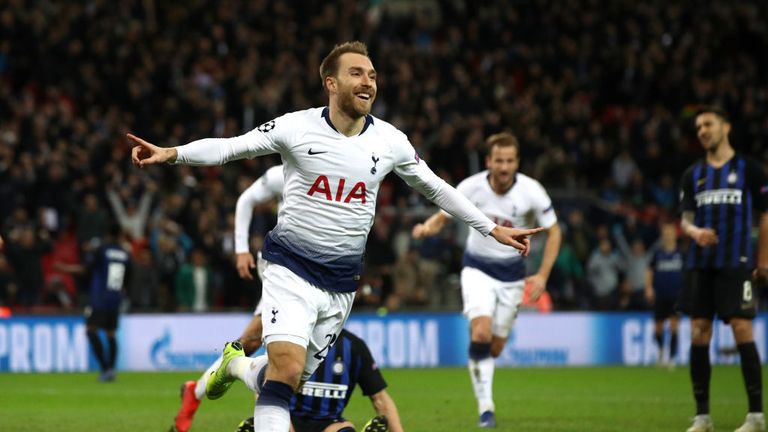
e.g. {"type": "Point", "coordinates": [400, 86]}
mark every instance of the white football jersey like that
{"type": "Point", "coordinates": [266, 188]}
{"type": "Point", "coordinates": [525, 205]}
{"type": "Point", "coordinates": [331, 183]}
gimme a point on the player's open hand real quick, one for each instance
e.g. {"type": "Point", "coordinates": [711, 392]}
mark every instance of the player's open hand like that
{"type": "Point", "coordinates": [705, 237]}
{"type": "Point", "coordinates": [244, 265]}
{"type": "Point", "coordinates": [515, 237]}
{"type": "Point", "coordinates": [145, 153]}
{"type": "Point", "coordinates": [536, 285]}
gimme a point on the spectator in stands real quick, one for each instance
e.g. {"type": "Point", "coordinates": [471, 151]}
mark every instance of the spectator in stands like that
{"type": "Point", "coordinates": [578, 107]}
{"type": "Point", "coordinates": [26, 247]}
{"type": "Point", "coordinates": [603, 273]}
{"type": "Point", "coordinates": [194, 282]}
{"type": "Point", "coordinates": [92, 221]}
{"type": "Point", "coordinates": [414, 281]}
{"type": "Point", "coordinates": [635, 263]}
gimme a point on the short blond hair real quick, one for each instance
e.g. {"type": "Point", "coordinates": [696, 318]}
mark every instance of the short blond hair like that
{"type": "Point", "coordinates": [330, 64]}
{"type": "Point", "coordinates": [502, 139]}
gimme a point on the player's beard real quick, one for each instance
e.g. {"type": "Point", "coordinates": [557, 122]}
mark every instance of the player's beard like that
{"type": "Point", "coordinates": [503, 182]}
{"type": "Point", "coordinates": [350, 108]}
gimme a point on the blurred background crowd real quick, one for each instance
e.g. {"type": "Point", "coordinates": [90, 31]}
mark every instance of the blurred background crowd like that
{"type": "Point", "coordinates": [601, 96]}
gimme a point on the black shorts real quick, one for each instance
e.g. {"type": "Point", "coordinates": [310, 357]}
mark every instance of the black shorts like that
{"type": "Point", "coordinates": [664, 307]}
{"type": "Point", "coordinates": [726, 292]}
{"type": "Point", "coordinates": [303, 424]}
{"type": "Point", "coordinates": [103, 319]}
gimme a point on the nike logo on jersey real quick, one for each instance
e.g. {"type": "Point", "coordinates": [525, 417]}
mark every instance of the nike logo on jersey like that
{"type": "Point", "coordinates": [310, 152]}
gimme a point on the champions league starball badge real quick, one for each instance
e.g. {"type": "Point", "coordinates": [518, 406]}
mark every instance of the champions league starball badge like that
{"type": "Point", "coordinates": [266, 127]}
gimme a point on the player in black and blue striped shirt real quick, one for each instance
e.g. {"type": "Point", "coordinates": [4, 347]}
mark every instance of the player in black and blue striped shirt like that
{"type": "Point", "coordinates": [107, 268]}
{"type": "Point", "coordinates": [663, 281]}
{"type": "Point", "coordinates": [721, 197]}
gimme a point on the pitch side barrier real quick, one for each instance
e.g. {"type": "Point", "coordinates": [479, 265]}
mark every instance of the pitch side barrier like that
{"type": "Point", "coordinates": [159, 342]}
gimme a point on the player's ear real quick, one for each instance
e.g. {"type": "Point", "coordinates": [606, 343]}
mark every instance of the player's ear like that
{"type": "Point", "coordinates": [330, 84]}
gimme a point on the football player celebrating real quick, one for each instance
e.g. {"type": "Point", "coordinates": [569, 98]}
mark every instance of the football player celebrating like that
{"type": "Point", "coordinates": [493, 277]}
{"type": "Point", "coordinates": [334, 161]}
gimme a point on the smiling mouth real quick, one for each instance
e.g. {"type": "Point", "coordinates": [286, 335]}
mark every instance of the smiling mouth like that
{"type": "Point", "coordinates": [364, 96]}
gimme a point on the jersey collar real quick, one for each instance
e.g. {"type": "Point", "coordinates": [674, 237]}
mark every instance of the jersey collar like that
{"type": "Point", "coordinates": [488, 182]}
{"type": "Point", "coordinates": [327, 116]}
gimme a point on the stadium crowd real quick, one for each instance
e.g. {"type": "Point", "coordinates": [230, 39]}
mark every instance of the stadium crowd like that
{"type": "Point", "coordinates": [600, 95]}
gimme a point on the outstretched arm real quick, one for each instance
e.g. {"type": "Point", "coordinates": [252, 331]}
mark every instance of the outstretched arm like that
{"type": "Point", "coordinates": [384, 405]}
{"type": "Point", "coordinates": [421, 178]}
{"type": "Point", "coordinates": [212, 151]}
{"type": "Point", "coordinates": [145, 153]}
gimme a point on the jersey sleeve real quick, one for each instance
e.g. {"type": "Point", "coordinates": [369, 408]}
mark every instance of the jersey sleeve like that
{"type": "Point", "coordinates": [415, 172]}
{"type": "Point", "coordinates": [687, 202]}
{"type": "Point", "coordinates": [270, 137]}
{"type": "Point", "coordinates": [371, 381]}
{"type": "Point", "coordinates": [758, 184]}
{"type": "Point", "coordinates": [542, 205]}
{"type": "Point", "coordinates": [266, 188]}
{"type": "Point", "coordinates": [464, 188]}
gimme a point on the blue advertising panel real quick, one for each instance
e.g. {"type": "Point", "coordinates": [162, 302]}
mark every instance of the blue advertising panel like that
{"type": "Point", "coordinates": [44, 344]}
{"type": "Point", "coordinates": [410, 340]}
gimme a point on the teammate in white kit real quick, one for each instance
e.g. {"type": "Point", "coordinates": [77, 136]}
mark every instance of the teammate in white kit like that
{"type": "Point", "coordinates": [493, 277]}
{"type": "Point", "coordinates": [268, 187]}
{"type": "Point", "coordinates": [334, 159]}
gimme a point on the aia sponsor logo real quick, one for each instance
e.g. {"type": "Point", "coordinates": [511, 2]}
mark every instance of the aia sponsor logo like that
{"type": "Point", "coordinates": [502, 222]}
{"type": "Point", "coordinates": [341, 193]}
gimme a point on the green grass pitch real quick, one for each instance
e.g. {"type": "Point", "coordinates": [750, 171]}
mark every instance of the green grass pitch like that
{"type": "Point", "coordinates": [527, 399]}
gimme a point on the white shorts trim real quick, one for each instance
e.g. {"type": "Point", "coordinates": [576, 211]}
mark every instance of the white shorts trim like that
{"type": "Point", "coordinates": [486, 296]}
{"type": "Point", "coordinates": [286, 338]}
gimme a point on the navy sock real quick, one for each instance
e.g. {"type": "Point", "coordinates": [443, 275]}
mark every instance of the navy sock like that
{"type": "Point", "coordinates": [659, 337]}
{"type": "Point", "coordinates": [275, 393]}
{"type": "Point", "coordinates": [701, 371]}
{"type": "Point", "coordinates": [672, 345]}
{"type": "Point", "coordinates": [98, 348]}
{"type": "Point", "coordinates": [479, 351]}
{"type": "Point", "coordinates": [751, 370]}
{"type": "Point", "coordinates": [112, 342]}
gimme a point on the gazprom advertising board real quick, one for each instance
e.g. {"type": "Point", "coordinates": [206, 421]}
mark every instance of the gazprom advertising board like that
{"type": "Point", "coordinates": [193, 341]}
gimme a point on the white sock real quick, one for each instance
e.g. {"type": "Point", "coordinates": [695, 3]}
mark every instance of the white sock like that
{"type": "Point", "coordinates": [201, 383]}
{"type": "Point", "coordinates": [481, 373]}
{"type": "Point", "coordinates": [247, 370]}
{"type": "Point", "coordinates": [271, 419]}
{"type": "Point", "coordinates": [271, 413]}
